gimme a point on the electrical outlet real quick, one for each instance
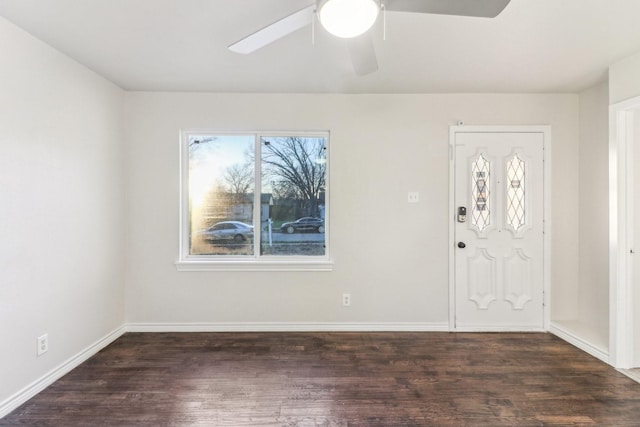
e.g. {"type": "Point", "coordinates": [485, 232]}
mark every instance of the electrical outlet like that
{"type": "Point", "coordinates": [43, 344]}
{"type": "Point", "coordinates": [346, 300]}
{"type": "Point", "coordinates": [414, 197]}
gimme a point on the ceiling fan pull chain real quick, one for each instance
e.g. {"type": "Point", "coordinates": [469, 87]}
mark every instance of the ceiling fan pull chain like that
{"type": "Point", "coordinates": [384, 21]}
{"type": "Point", "coordinates": [313, 27]}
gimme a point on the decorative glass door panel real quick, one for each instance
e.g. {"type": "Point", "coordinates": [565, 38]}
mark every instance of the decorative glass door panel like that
{"type": "Point", "coordinates": [499, 249]}
{"type": "Point", "coordinates": [516, 191]}
{"type": "Point", "coordinates": [480, 193]}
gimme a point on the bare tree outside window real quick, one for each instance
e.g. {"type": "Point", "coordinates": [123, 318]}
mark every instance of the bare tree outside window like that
{"type": "Point", "coordinates": [296, 167]}
{"type": "Point", "coordinates": [239, 178]}
{"type": "Point", "coordinates": [294, 170]}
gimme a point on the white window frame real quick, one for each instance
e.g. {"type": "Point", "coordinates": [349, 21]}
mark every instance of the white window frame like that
{"type": "Point", "coordinates": [255, 262]}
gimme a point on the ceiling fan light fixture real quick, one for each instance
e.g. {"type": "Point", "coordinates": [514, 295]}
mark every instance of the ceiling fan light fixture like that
{"type": "Point", "coordinates": [347, 18]}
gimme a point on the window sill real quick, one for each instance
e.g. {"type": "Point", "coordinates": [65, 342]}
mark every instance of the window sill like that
{"type": "Point", "coordinates": [253, 265]}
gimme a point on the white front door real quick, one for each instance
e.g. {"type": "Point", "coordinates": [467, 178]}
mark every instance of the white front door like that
{"type": "Point", "coordinates": [498, 232]}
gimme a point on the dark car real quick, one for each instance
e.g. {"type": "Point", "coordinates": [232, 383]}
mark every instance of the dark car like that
{"type": "Point", "coordinates": [237, 231]}
{"type": "Point", "coordinates": [304, 224]}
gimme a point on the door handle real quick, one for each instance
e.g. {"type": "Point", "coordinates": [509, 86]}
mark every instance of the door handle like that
{"type": "Point", "coordinates": [461, 245]}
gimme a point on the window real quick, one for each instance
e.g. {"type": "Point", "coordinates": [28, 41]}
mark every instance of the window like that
{"type": "Point", "coordinates": [258, 199]}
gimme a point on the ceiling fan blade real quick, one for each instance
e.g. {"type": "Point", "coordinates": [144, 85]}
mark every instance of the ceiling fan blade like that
{"type": "Point", "coordinates": [363, 54]}
{"type": "Point", "coordinates": [275, 31]}
{"type": "Point", "coordinates": [479, 8]}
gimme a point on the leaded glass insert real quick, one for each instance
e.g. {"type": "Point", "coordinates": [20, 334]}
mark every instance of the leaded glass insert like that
{"type": "Point", "coordinates": [480, 193]}
{"type": "Point", "coordinates": [516, 209]}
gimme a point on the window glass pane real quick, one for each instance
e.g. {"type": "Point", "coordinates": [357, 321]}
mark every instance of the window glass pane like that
{"type": "Point", "coordinates": [292, 210]}
{"type": "Point", "coordinates": [221, 186]}
{"type": "Point", "coordinates": [516, 192]}
{"type": "Point", "coordinates": [480, 193]}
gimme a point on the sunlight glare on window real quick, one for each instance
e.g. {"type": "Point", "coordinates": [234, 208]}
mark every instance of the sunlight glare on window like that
{"type": "Point", "coordinates": [221, 186]}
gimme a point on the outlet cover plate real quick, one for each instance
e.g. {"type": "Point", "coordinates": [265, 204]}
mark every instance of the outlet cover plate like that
{"type": "Point", "coordinates": [346, 300]}
{"type": "Point", "coordinates": [43, 344]}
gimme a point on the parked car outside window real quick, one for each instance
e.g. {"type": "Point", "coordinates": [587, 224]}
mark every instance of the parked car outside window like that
{"type": "Point", "coordinates": [303, 224]}
{"type": "Point", "coordinates": [237, 231]}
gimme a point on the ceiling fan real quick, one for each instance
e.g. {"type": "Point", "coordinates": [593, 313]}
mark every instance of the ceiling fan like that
{"type": "Point", "coordinates": [350, 19]}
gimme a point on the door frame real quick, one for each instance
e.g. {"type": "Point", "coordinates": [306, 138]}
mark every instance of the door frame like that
{"type": "Point", "coordinates": [546, 245]}
{"type": "Point", "coordinates": [621, 228]}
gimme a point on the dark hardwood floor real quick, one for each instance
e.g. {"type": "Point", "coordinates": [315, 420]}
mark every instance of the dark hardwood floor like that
{"type": "Point", "coordinates": [336, 379]}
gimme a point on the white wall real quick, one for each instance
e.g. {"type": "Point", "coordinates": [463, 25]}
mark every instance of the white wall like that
{"type": "Point", "coordinates": [593, 213]}
{"type": "Point", "coordinates": [391, 256]}
{"type": "Point", "coordinates": [61, 209]}
{"type": "Point", "coordinates": [624, 81]}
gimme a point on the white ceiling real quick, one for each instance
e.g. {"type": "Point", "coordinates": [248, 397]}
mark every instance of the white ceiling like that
{"type": "Point", "coordinates": [181, 45]}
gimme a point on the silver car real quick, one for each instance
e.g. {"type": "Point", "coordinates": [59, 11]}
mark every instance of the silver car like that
{"type": "Point", "coordinates": [237, 231]}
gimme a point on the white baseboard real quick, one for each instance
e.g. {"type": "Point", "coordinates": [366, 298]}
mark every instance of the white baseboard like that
{"type": "Point", "coordinates": [289, 327]}
{"type": "Point", "coordinates": [582, 344]}
{"type": "Point", "coordinates": [493, 328]}
{"type": "Point", "coordinates": [17, 399]}
{"type": "Point", "coordinates": [631, 373]}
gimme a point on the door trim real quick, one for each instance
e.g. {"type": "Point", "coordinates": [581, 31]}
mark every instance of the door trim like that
{"type": "Point", "coordinates": [621, 229]}
{"type": "Point", "coordinates": [546, 158]}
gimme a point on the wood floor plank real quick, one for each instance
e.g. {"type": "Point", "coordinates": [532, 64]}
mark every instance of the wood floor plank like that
{"type": "Point", "coordinates": [336, 379]}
